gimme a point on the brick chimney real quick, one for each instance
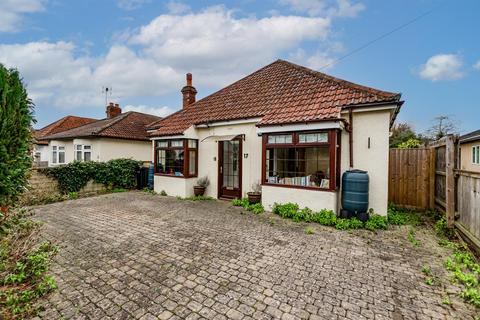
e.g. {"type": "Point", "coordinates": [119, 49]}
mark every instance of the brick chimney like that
{"type": "Point", "coordinates": [189, 92]}
{"type": "Point", "coordinates": [113, 110]}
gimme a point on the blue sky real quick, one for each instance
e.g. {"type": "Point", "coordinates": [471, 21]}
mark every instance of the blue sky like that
{"type": "Point", "coordinates": [68, 50]}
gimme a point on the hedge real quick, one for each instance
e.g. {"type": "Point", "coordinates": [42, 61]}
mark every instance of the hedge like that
{"type": "Point", "coordinates": [117, 173]}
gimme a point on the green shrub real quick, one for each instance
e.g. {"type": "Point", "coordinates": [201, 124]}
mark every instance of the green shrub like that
{"type": "Point", "coordinates": [472, 295]}
{"type": "Point", "coordinates": [376, 222]}
{"type": "Point", "coordinates": [24, 262]}
{"type": "Point", "coordinates": [196, 198]}
{"type": "Point", "coordinates": [256, 208]}
{"type": "Point", "coordinates": [16, 120]}
{"type": "Point", "coordinates": [117, 173]}
{"type": "Point", "coordinates": [240, 202]}
{"type": "Point", "coordinates": [397, 216]}
{"type": "Point", "coordinates": [287, 210]}
{"type": "Point", "coordinates": [325, 217]}
{"type": "Point", "coordinates": [347, 224]}
{"type": "Point", "coordinates": [442, 230]}
{"type": "Point", "coordinates": [163, 193]}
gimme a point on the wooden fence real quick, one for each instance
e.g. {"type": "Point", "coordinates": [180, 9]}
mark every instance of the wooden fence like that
{"type": "Point", "coordinates": [468, 205]}
{"type": "Point", "coordinates": [409, 179]}
{"type": "Point", "coordinates": [426, 178]}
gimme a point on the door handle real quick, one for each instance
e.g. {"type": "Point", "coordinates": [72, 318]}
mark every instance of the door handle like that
{"type": "Point", "coordinates": [221, 169]}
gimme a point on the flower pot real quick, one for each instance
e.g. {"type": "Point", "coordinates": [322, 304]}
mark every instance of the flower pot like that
{"type": "Point", "coordinates": [198, 190]}
{"type": "Point", "coordinates": [254, 197]}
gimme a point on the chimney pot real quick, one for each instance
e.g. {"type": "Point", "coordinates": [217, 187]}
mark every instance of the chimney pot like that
{"type": "Point", "coordinates": [113, 110]}
{"type": "Point", "coordinates": [189, 92]}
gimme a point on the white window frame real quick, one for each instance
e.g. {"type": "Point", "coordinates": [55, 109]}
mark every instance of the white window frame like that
{"type": "Point", "coordinates": [476, 155]}
{"type": "Point", "coordinates": [83, 149]}
{"type": "Point", "coordinates": [56, 150]}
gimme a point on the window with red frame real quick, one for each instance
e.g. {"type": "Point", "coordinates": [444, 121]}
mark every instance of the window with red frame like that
{"type": "Point", "coordinates": [176, 157]}
{"type": "Point", "coordinates": [301, 159]}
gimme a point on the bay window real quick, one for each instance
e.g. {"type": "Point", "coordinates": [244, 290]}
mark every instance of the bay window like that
{"type": "Point", "coordinates": [301, 159]}
{"type": "Point", "coordinates": [83, 152]}
{"type": "Point", "coordinates": [178, 158]}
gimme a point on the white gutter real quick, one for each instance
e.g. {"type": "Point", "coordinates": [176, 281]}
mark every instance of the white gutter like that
{"type": "Point", "coordinates": [228, 122]}
{"type": "Point", "coordinates": [301, 127]}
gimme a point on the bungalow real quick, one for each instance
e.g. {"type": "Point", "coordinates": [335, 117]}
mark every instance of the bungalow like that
{"type": "Point", "coordinates": [290, 129]}
{"type": "Point", "coordinates": [470, 151]}
{"type": "Point", "coordinates": [40, 147]}
{"type": "Point", "coordinates": [120, 135]}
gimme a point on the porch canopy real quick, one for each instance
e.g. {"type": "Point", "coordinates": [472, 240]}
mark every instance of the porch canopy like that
{"type": "Point", "coordinates": [227, 137]}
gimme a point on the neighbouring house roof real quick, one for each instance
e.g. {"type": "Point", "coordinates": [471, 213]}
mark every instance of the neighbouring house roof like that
{"type": "Point", "coordinates": [279, 93]}
{"type": "Point", "coordinates": [128, 125]}
{"type": "Point", "coordinates": [472, 136]}
{"type": "Point", "coordinates": [65, 123]}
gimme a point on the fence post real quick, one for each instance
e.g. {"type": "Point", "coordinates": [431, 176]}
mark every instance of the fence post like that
{"type": "Point", "coordinates": [431, 174]}
{"type": "Point", "coordinates": [450, 181]}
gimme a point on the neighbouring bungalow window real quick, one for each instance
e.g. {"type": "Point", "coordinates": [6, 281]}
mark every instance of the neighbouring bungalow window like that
{"type": "Point", "coordinates": [476, 155]}
{"type": "Point", "coordinates": [176, 157]}
{"type": "Point", "coordinates": [301, 159]}
{"type": "Point", "coordinates": [58, 154]}
{"type": "Point", "coordinates": [83, 152]}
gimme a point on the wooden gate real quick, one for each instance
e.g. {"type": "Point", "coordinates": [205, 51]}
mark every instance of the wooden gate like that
{"type": "Point", "coordinates": [468, 205]}
{"type": "Point", "coordinates": [424, 178]}
{"type": "Point", "coordinates": [409, 178]}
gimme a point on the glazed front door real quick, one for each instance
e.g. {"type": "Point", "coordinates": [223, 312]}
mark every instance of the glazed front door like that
{"type": "Point", "coordinates": [230, 169]}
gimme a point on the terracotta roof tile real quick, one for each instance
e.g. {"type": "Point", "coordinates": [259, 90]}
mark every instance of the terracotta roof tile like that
{"type": "Point", "coordinates": [65, 123]}
{"type": "Point", "coordinates": [129, 125]}
{"type": "Point", "coordinates": [281, 92]}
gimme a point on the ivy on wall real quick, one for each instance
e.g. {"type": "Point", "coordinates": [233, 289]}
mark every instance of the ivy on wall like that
{"type": "Point", "coordinates": [117, 173]}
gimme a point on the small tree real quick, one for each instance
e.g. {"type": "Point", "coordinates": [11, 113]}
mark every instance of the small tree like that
{"type": "Point", "coordinates": [401, 133]}
{"type": "Point", "coordinates": [16, 119]}
{"type": "Point", "coordinates": [442, 126]}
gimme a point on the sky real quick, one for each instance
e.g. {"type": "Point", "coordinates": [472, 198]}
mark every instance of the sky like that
{"type": "Point", "coordinates": [68, 51]}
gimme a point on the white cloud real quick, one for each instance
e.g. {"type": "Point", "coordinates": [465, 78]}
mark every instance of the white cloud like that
{"type": "Point", "coordinates": [477, 65]}
{"type": "Point", "coordinates": [219, 46]}
{"type": "Point", "coordinates": [131, 4]}
{"type": "Point", "coordinates": [175, 7]}
{"type": "Point", "coordinates": [55, 76]}
{"type": "Point", "coordinates": [12, 12]}
{"type": "Point", "coordinates": [158, 111]}
{"type": "Point", "coordinates": [317, 61]}
{"type": "Point", "coordinates": [442, 67]}
{"type": "Point", "coordinates": [213, 44]}
{"type": "Point", "coordinates": [340, 8]}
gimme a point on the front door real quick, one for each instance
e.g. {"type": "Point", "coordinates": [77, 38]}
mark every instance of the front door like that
{"type": "Point", "coordinates": [230, 169]}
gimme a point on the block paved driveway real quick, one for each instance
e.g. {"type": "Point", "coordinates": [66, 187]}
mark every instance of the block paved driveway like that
{"type": "Point", "coordinates": [140, 256]}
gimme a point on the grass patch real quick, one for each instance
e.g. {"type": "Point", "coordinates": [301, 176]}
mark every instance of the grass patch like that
{"type": "Point", "coordinates": [411, 237]}
{"type": "Point", "coordinates": [309, 230]}
{"type": "Point", "coordinates": [24, 261]}
{"type": "Point", "coordinates": [396, 216]}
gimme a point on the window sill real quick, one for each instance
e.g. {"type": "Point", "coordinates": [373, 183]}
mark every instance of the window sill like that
{"type": "Point", "coordinates": [174, 176]}
{"type": "Point", "coordinates": [298, 187]}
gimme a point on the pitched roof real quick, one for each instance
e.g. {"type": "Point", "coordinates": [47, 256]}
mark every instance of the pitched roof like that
{"type": "Point", "coordinates": [128, 125]}
{"type": "Point", "coordinates": [65, 123]}
{"type": "Point", "coordinates": [279, 93]}
{"type": "Point", "coordinates": [472, 136]}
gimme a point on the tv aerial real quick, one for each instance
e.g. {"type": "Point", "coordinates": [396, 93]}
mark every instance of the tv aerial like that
{"type": "Point", "coordinates": [107, 91]}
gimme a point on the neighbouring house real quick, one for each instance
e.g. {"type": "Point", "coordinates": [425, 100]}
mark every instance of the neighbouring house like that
{"type": "Point", "coordinates": [40, 147]}
{"type": "Point", "coordinates": [120, 135]}
{"type": "Point", "coordinates": [285, 127]}
{"type": "Point", "coordinates": [470, 151]}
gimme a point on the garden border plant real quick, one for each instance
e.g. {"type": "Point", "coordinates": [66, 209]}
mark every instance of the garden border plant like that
{"type": "Point", "coordinates": [256, 208]}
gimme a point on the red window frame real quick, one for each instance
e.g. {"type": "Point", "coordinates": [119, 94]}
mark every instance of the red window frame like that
{"type": "Point", "coordinates": [186, 157]}
{"type": "Point", "coordinates": [334, 147]}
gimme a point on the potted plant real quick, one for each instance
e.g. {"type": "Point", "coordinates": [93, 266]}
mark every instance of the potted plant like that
{"type": "Point", "coordinates": [255, 196]}
{"type": "Point", "coordinates": [202, 184]}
